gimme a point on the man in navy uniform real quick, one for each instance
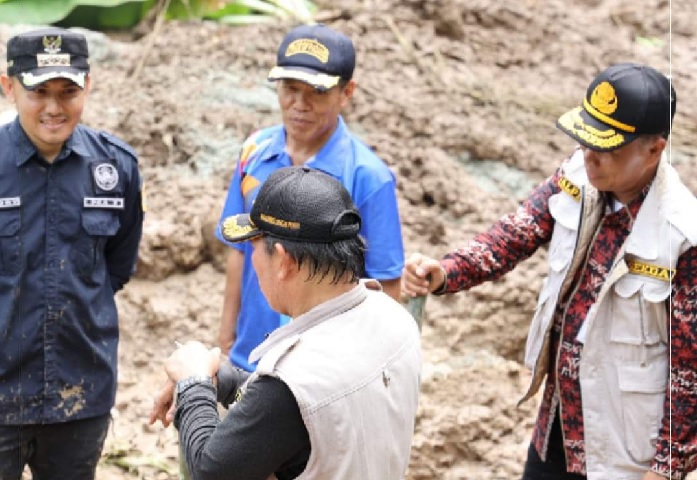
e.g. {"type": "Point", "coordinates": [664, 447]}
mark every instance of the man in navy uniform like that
{"type": "Point", "coordinates": [70, 225]}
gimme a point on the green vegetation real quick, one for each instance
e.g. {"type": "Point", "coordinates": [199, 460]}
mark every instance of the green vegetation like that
{"type": "Point", "coordinates": [124, 14]}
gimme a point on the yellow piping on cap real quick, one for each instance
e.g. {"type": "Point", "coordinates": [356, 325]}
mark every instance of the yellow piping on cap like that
{"type": "Point", "coordinates": [605, 119]}
{"type": "Point", "coordinates": [572, 123]}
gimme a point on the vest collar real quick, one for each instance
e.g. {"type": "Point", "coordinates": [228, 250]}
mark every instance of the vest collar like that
{"type": "Point", "coordinates": [290, 332]}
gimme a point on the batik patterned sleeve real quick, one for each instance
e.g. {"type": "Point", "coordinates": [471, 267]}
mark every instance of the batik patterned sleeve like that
{"type": "Point", "coordinates": [677, 443]}
{"type": "Point", "coordinates": [509, 241]}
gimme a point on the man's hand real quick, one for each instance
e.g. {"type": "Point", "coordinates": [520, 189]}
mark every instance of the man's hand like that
{"type": "Point", "coordinates": [187, 361]}
{"type": "Point", "coordinates": [421, 275]}
{"type": "Point", "coordinates": [164, 408]}
{"type": "Point", "coordinates": [191, 359]}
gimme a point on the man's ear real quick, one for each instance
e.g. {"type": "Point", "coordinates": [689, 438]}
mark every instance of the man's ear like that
{"type": "Point", "coordinates": [655, 149]}
{"type": "Point", "coordinates": [88, 84]}
{"type": "Point", "coordinates": [284, 262]}
{"type": "Point", "coordinates": [347, 93]}
{"type": "Point", "coordinates": [7, 87]}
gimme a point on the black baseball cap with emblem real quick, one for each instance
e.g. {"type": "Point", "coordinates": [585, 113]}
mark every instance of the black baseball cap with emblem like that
{"type": "Point", "coordinates": [297, 204]}
{"type": "Point", "coordinates": [37, 56]}
{"type": "Point", "coordinates": [316, 55]}
{"type": "Point", "coordinates": [623, 102]}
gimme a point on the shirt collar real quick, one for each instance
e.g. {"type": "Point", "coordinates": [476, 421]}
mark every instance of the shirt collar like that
{"type": "Point", "coordinates": [633, 206]}
{"type": "Point", "coordinates": [325, 159]}
{"type": "Point", "coordinates": [26, 149]}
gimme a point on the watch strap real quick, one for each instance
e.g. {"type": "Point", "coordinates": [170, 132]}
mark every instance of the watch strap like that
{"type": "Point", "coordinates": [185, 383]}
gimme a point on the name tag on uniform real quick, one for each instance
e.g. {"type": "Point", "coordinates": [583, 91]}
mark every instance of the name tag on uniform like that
{"type": "Point", "coordinates": [10, 202]}
{"type": "Point", "coordinates": [103, 202]}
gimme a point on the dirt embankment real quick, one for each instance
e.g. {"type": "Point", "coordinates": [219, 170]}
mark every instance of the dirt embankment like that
{"type": "Point", "coordinates": [459, 97]}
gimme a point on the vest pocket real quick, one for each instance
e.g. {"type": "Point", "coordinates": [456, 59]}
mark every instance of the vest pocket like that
{"type": "Point", "coordinates": [10, 244]}
{"type": "Point", "coordinates": [642, 393]}
{"type": "Point", "coordinates": [639, 314]}
{"type": "Point", "coordinates": [88, 250]}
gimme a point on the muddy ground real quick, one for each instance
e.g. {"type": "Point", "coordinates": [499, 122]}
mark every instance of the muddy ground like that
{"type": "Point", "coordinates": [459, 97]}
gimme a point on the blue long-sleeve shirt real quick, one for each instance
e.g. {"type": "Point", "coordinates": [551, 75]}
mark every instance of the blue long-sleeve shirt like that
{"type": "Point", "coordinates": [69, 236]}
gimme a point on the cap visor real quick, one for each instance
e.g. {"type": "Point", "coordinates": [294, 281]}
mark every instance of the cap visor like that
{"type": "Point", "coordinates": [238, 228]}
{"type": "Point", "coordinates": [591, 133]}
{"type": "Point", "coordinates": [319, 80]}
{"type": "Point", "coordinates": [38, 76]}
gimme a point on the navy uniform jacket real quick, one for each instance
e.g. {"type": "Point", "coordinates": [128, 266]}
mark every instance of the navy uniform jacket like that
{"type": "Point", "coordinates": [69, 235]}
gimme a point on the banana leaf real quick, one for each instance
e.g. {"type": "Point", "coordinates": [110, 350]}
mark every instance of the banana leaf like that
{"type": "Point", "coordinates": [116, 13]}
{"type": "Point", "coordinates": [124, 14]}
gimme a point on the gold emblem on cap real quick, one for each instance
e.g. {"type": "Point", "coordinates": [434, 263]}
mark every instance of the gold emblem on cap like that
{"type": "Point", "coordinates": [52, 44]}
{"type": "Point", "coordinates": [308, 47]}
{"type": "Point", "coordinates": [604, 98]}
{"type": "Point", "coordinates": [232, 229]}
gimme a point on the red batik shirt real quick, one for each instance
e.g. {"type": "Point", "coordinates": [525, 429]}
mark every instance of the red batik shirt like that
{"type": "Point", "coordinates": [516, 237]}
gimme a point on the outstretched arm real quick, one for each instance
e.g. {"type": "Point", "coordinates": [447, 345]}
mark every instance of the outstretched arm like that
{"type": "Point", "coordinates": [512, 239]}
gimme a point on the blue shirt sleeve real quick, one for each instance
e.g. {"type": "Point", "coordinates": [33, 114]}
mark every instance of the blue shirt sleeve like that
{"type": "Point", "coordinates": [381, 229]}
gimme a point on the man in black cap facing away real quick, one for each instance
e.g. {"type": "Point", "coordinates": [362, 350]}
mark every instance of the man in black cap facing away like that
{"type": "Point", "coordinates": [335, 393]}
{"type": "Point", "coordinates": [70, 224]}
{"type": "Point", "coordinates": [614, 330]}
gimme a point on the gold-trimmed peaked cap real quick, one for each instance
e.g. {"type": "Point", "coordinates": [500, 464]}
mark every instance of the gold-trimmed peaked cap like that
{"type": "Point", "coordinates": [316, 55]}
{"type": "Point", "coordinates": [37, 56]}
{"type": "Point", "coordinates": [623, 102]}
{"type": "Point", "coordinates": [298, 204]}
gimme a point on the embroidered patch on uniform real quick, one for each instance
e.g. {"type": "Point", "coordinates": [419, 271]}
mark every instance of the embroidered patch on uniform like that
{"type": "Point", "coordinates": [649, 270]}
{"type": "Point", "coordinates": [249, 183]}
{"type": "Point", "coordinates": [10, 202]}
{"type": "Point", "coordinates": [568, 186]}
{"type": "Point", "coordinates": [106, 176]}
{"type": "Point", "coordinates": [103, 202]}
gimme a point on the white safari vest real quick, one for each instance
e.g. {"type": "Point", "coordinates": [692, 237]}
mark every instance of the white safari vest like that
{"type": "Point", "coordinates": [353, 365]}
{"type": "Point", "coordinates": [624, 367]}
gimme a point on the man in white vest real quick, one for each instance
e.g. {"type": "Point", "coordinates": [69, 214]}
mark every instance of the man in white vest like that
{"type": "Point", "coordinates": [615, 325]}
{"type": "Point", "coordinates": [335, 392]}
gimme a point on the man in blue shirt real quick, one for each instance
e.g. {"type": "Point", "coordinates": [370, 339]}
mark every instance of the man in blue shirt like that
{"type": "Point", "coordinates": [314, 82]}
{"type": "Point", "coordinates": [70, 225]}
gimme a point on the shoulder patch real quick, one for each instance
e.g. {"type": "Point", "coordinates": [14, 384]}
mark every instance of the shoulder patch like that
{"type": "Point", "coordinates": [120, 144]}
{"type": "Point", "coordinates": [254, 143]}
{"type": "Point", "coordinates": [569, 187]}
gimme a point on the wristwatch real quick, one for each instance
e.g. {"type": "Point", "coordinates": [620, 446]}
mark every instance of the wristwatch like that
{"type": "Point", "coordinates": [185, 383]}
